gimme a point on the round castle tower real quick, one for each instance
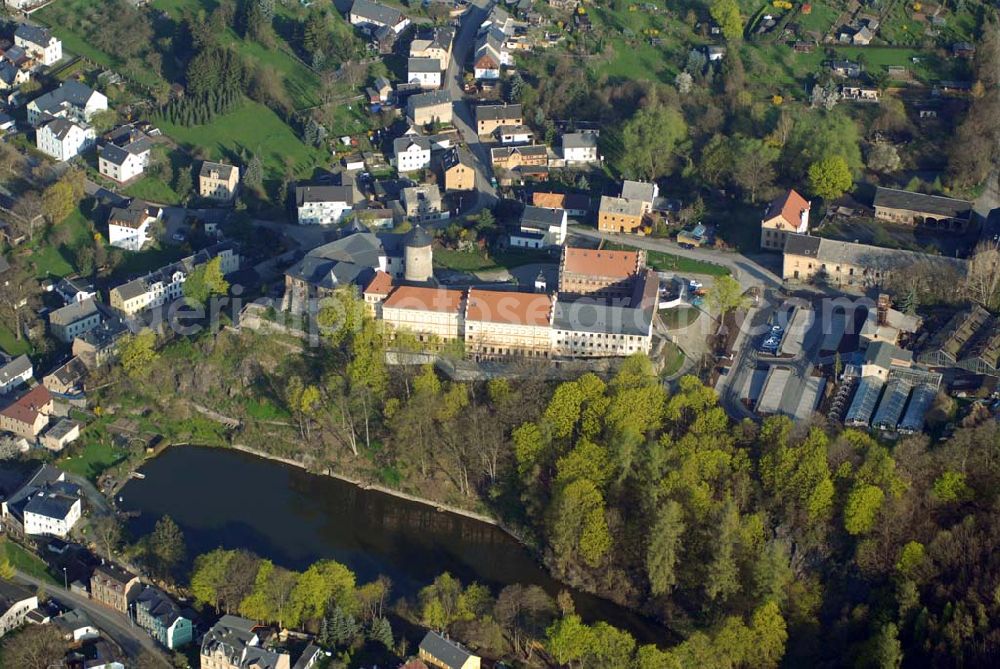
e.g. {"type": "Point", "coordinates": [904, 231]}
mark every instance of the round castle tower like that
{"type": "Point", "coordinates": [418, 258]}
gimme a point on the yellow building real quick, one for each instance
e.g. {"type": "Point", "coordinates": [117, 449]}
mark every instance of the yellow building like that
{"type": "Point", "coordinates": [787, 214]}
{"type": "Point", "coordinates": [438, 651]}
{"type": "Point", "coordinates": [617, 214]}
{"type": "Point", "coordinates": [502, 324]}
{"type": "Point", "coordinates": [428, 313]}
{"type": "Point", "coordinates": [808, 258]}
{"type": "Point", "coordinates": [459, 174]}
{"type": "Point", "coordinates": [218, 181]}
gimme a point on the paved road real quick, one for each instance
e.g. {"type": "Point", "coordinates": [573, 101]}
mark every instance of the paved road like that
{"type": "Point", "coordinates": [744, 270]}
{"type": "Point", "coordinates": [132, 639]}
{"type": "Point", "coordinates": [465, 42]}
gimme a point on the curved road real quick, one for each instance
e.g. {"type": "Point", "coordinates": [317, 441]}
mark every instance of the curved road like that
{"type": "Point", "coordinates": [122, 631]}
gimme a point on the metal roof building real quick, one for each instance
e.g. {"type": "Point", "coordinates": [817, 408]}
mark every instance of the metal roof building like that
{"type": "Point", "coordinates": [864, 402]}
{"type": "Point", "coordinates": [769, 401]}
{"type": "Point", "coordinates": [916, 411]}
{"type": "Point", "coordinates": [890, 409]}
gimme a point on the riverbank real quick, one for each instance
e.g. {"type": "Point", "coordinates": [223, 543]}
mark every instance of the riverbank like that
{"type": "Point", "coordinates": [438, 506]}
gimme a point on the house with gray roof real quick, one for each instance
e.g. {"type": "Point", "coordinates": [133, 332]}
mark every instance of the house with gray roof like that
{"type": "Point", "coordinates": [933, 211]}
{"type": "Point", "coordinates": [323, 204]}
{"type": "Point", "coordinates": [233, 643]}
{"type": "Point", "coordinates": [424, 71]}
{"type": "Point", "coordinates": [411, 152]}
{"type": "Point", "coordinates": [47, 504]}
{"type": "Point", "coordinates": [16, 602]}
{"type": "Point", "coordinates": [540, 227]}
{"type": "Point", "coordinates": [125, 155]}
{"type": "Point", "coordinates": [159, 615]}
{"type": "Point", "coordinates": [808, 258]}
{"type": "Point", "coordinates": [431, 107]}
{"type": "Point", "coordinates": [68, 322]}
{"type": "Point", "coordinates": [72, 100]}
{"type": "Point", "coordinates": [580, 147]}
{"type": "Point", "coordinates": [371, 15]}
{"type": "Point", "coordinates": [166, 284]}
{"type": "Point", "coordinates": [99, 345]}
{"type": "Point", "coordinates": [15, 373]}
{"type": "Point", "coordinates": [63, 138]}
{"type": "Point", "coordinates": [39, 42]}
{"type": "Point", "coordinates": [445, 653]}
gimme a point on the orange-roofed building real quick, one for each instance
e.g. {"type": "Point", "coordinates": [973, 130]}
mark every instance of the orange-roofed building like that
{"type": "Point", "coordinates": [28, 415]}
{"type": "Point", "coordinates": [428, 313]}
{"type": "Point", "coordinates": [376, 291]}
{"type": "Point", "coordinates": [599, 272]}
{"type": "Point", "coordinates": [787, 214]}
{"type": "Point", "coordinates": [500, 324]}
{"type": "Point", "coordinates": [576, 205]}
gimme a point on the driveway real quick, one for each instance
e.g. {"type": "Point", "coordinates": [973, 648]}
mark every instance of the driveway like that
{"type": "Point", "coordinates": [132, 639]}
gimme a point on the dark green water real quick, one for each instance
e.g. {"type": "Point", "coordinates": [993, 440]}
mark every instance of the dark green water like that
{"type": "Point", "coordinates": [229, 499]}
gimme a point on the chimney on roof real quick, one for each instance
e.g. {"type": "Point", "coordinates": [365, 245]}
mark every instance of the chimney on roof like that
{"type": "Point", "coordinates": [883, 309]}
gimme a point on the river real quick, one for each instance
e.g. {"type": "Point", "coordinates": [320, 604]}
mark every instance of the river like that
{"type": "Point", "coordinates": [230, 499]}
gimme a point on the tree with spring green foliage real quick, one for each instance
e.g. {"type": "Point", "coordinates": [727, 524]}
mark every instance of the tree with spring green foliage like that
{"type": "Point", "coordinates": [727, 14]}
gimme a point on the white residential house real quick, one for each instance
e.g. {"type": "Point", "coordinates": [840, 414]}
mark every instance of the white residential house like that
{"type": "Point", "coordinates": [324, 205]}
{"type": "Point", "coordinates": [72, 100]}
{"type": "Point", "coordinates": [15, 604]}
{"type": "Point", "coordinates": [424, 71]}
{"type": "Point", "coordinates": [514, 134]}
{"type": "Point", "coordinates": [63, 139]}
{"type": "Point", "coordinates": [12, 75]}
{"type": "Point", "coordinates": [52, 512]}
{"type": "Point", "coordinates": [125, 157]}
{"type": "Point", "coordinates": [15, 373]}
{"type": "Point", "coordinates": [38, 42]}
{"type": "Point", "coordinates": [540, 227]}
{"type": "Point", "coordinates": [128, 227]}
{"type": "Point", "coordinates": [413, 152]}
{"type": "Point", "coordinates": [374, 15]}
{"type": "Point", "coordinates": [423, 203]}
{"type": "Point", "coordinates": [580, 147]}
{"type": "Point", "coordinates": [75, 319]}
{"type": "Point", "coordinates": [439, 46]}
{"type": "Point", "coordinates": [167, 283]}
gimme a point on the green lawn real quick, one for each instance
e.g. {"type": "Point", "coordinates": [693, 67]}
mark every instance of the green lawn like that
{"type": "Point", "coordinates": [820, 19]}
{"type": "Point", "coordinates": [25, 562]}
{"type": "Point", "coordinates": [462, 261]}
{"type": "Point", "coordinates": [673, 358]}
{"type": "Point", "coordinates": [154, 190]}
{"type": "Point", "coordinates": [668, 262]}
{"type": "Point", "coordinates": [135, 263]}
{"type": "Point", "coordinates": [262, 409]}
{"type": "Point", "coordinates": [475, 261]}
{"type": "Point", "coordinates": [255, 128]}
{"type": "Point", "coordinates": [10, 344]}
{"type": "Point", "coordinates": [51, 260]}
{"type": "Point", "coordinates": [679, 317]}
{"type": "Point", "coordinates": [92, 458]}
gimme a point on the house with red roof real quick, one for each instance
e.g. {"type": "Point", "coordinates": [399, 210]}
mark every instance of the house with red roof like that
{"type": "Point", "coordinates": [28, 415]}
{"type": "Point", "coordinates": [788, 213]}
